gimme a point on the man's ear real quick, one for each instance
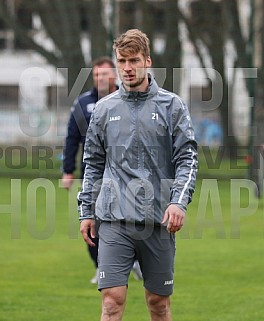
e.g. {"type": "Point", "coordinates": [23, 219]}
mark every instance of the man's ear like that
{"type": "Point", "coordinates": [148, 62]}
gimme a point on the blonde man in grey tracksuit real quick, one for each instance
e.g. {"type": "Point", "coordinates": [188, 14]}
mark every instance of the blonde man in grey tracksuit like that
{"type": "Point", "coordinates": [141, 163]}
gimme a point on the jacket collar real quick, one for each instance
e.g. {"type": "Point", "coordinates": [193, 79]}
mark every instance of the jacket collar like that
{"type": "Point", "coordinates": [139, 95]}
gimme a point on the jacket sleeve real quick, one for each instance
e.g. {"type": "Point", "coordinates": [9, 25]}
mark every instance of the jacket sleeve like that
{"type": "Point", "coordinates": [94, 159]}
{"type": "Point", "coordinates": [72, 142]}
{"type": "Point", "coordinates": [184, 157]}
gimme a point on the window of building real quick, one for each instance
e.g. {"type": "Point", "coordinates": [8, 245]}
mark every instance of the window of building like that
{"type": "Point", "coordinates": [8, 97]}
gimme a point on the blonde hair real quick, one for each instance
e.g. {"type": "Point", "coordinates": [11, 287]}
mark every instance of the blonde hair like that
{"type": "Point", "coordinates": [132, 42]}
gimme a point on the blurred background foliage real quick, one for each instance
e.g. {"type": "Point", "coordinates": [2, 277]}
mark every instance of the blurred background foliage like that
{"type": "Point", "coordinates": [70, 34]}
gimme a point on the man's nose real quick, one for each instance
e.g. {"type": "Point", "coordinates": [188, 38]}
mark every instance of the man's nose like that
{"type": "Point", "coordinates": [127, 66]}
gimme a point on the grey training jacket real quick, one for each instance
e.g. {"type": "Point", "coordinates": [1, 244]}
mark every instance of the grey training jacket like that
{"type": "Point", "coordinates": [140, 154]}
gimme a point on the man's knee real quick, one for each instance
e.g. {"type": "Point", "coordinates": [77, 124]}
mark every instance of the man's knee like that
{"type": "Point", "coordinates": [113, 301]}
{"type": "Point", "coordinates": [157, 304]}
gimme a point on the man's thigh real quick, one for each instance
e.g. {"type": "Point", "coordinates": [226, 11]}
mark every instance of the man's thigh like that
{"type": "Point", "coordinates": [115, 256]}
{"type": "Point", "coordinates": [156, 254]}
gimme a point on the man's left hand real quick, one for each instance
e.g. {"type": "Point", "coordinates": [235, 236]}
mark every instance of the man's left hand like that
{"type": "Point", "coordinates": [175, 218]}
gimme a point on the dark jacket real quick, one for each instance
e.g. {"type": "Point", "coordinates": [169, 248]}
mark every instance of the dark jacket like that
{"type": "Point", "coordinates": [77, 128]}
{"type": "Point", "coordinates": [140, 154]}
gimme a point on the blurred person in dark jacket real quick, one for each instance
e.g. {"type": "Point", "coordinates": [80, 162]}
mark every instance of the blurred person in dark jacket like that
{"type": "Point", "coordinates": [104, 83]}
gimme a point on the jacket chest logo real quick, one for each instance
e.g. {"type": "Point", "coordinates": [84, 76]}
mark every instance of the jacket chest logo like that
{"type": "Point", "coordinates": [90, 107]}
{"type": "Point", "coordinates": [114, 118]}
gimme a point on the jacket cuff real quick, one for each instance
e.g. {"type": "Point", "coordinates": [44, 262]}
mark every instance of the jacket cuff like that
{"type": "Point", "coordinates": [181, 206]}
{"type": "Point", "coordinates": [85, 214]}
{"type": "Point", "coordinates": [82, 218]}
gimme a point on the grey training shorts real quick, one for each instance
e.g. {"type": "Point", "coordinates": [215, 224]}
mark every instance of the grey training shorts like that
{"type": "Point", "coordinates": [121, 243]}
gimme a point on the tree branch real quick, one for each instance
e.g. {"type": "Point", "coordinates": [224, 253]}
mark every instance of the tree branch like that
{"type": "Point", "coordinates": [194, 37]}
{"type": "Point", "coordinates": [21, 33]}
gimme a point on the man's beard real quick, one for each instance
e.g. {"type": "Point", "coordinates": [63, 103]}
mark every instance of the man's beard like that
{"type": "Point", "coordinates": [136, 84]}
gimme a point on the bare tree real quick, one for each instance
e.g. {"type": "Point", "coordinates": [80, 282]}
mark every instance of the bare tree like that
{"type": "Point", "coordinates": [207, 23]}
{"type": "Point", "coordinates": [62, 22]}
{"type": "Point", "coordinates": [257, 141]}
{"type": "Point", "coordinates": [250, 54]}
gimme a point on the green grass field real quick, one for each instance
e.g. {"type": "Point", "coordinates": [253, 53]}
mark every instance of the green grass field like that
{"type": "Point", "coordinates": [45, 268]}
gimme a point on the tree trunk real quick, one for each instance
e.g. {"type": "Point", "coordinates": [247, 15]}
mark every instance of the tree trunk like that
{"type": "Point", "coordinates": [170, 59]}
{"type": "Point", "coordinates": [173, 50]}
{"type": "Point", "coordinates": [258, 132]}
{"type": "Point", "coordinates": [209, 25]}
{"type": "Point", "coordinates": [98, 33]}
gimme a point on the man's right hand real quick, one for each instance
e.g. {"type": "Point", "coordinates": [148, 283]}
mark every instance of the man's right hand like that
{"type": "Point", "coordinates": [86, 225]}
{"type": "Point", "coordinates": [67, 181]}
